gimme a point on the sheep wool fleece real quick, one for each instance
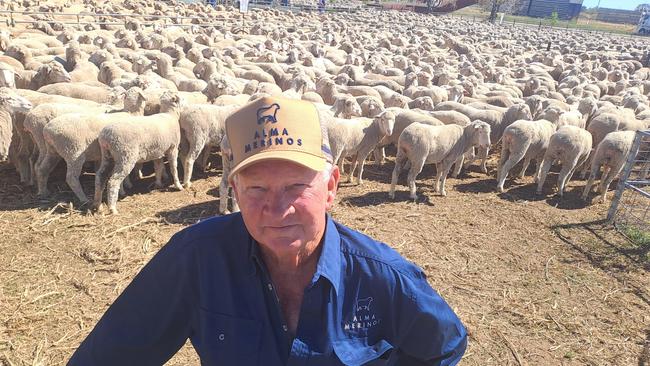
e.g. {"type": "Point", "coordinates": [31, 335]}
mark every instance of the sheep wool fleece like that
{"type": "Point", "coordinates": [365, 305]}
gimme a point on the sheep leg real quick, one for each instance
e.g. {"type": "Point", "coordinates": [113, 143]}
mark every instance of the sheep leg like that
{"type": "Point", "coordinates": [379, 155]}
{"type": "Point", "coordinates": [605, 181]}
{"type": "Point", "coordinates": [445, 166]}
{"type": "Point", "coordinates": [513, 159]}
{"type": "Point", "coordinates": [43, 172]}
{"type": "Point", "coordinates": [565, 174]}
{"type": "Point", "coordinates": [352, 168]}
{"type": "Point", "coordinates": [72, 174]}
{"type": "Point", "coordinates": [416, 168]}
{"type": "Point", "coordinates": [205, 155]}
{"type": "Point", "coordinates": [101, 178]}
{"type": "Point", "coordinates": [360, 160]}
{"type": "Point", "coordinates": [159, 166]}
{"type": "Point", "coordinates": [172, 158]}
{"type": "Point", "coordinates": [470, 157]}
{"type": "Point", "coordinates": [524, 168]}
{"type": "Point", "coordinates": [399, 162]}
{"type": "Point", "coordinates": [120, 171]}
{"type": "Point", "coordinates": [587, 165]}
{"type": "Point", "coordinates": [546, 166]}
{"type": "Point", "coordinates": [592, 177]}
{"type": "Point", "coordinates": [483, 154]}
{"type": "Point", "coordinates": [22, 159]}
{"type": "Point", "coordinates": [193, 153]}
{"type": "Point", "coordinates": [458, 165]}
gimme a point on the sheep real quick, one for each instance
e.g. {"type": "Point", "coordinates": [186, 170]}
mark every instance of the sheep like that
{"type": "Point", "coordinates": [138, 139]}
{"type": "Point", "coordinates": [570, 145]}
{"type": "Point", "coordinates": [611, 153]}
{"type": "Point", "coordinates": [83, 91]}
{"type": "Point", "coordinates": [73, 137]}
{"type": "Point", "coordinates": [49, 73]}
{"type": "Point", "coordinates": [204, 127]}
{"type": "Point", "coordinates": [562, 118]}
{"type": "Point", "coordinates": [10, 103]}
{"type": "Point", "coordinates": [441, 145]}
{"type": "Point", "coordinates": [526, 140]}
{"type": "Point", "coordinates": [381, 127]}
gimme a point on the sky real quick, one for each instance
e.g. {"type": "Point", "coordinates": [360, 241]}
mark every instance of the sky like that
{"type": "Point", "coordinates": [615, 4]}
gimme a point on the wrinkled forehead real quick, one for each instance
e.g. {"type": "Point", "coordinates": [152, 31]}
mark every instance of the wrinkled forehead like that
{"type": "Point", "coordinates": [273, 171]}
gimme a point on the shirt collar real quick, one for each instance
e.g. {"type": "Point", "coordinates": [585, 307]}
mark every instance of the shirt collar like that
{"type": "Point", "coordinates": [329, 262]}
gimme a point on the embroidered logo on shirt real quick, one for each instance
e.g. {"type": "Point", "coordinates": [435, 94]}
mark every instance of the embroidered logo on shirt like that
{"type": "Point", "coordinates": [363, 318]}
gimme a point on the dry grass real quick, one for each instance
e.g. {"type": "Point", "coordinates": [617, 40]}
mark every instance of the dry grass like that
{"type": "Point", "coordinates": [537, 281]}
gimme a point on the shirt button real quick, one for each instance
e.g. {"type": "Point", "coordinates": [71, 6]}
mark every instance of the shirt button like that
{"type": "Point", "coordinates": [222, 337]}
{"type": "Point", "coordinates": [270, 287]}
{"type": "Point", "coordinates": [285, 328]}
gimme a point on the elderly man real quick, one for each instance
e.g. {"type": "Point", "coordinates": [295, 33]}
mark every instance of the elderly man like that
{"type": "Point", "coordinates": [280, 283]}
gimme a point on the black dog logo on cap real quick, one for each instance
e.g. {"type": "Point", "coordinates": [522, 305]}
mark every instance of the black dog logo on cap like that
{"type": "Point", "coordinates": [267, 114]}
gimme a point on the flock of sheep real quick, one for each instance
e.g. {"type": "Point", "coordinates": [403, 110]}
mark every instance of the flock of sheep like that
{"type": "Point", "coordinates": [124, 91]}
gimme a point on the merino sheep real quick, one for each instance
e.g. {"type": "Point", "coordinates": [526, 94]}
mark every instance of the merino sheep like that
{"type": "Point", "coordinates": [611, 153]}
{"type": "Point", "coordinates": [204, 127]}
{"type": "Point", "coordinates": [73, 137]}
{"type": "Point", "coordinates": [571, 146]}
{"type": "Point", "coordinates": [526, 140]}
{"type": "Point", "coordinates": [10, 103]}
{"type": "Point", "coordinates": [444, 146]}
{"type": "Point", "coordinates": [138, 139]}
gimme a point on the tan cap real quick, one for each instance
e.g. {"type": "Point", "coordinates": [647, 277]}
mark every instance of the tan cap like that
{"type": "Point", "coordinates": [277, 128]}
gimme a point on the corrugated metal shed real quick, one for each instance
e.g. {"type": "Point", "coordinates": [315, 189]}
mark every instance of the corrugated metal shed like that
{"type": "Point", "coordinates": [566, 9]}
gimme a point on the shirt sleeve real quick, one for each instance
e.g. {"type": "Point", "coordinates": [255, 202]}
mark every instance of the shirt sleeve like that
{"type": "Point", "coordinates": [151, 320]}
{"type": "Point", "coordinates": [431, 333]}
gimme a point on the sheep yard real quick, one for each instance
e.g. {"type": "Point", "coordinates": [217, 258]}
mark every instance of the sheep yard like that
{"type": "Point", "coordinates": [536, 281]}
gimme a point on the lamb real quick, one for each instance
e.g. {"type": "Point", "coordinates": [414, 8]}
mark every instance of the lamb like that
{"type": "Point", "coordinates": [49, 73]}
{"type": "Point", "coordinates": [204, 127]}
{"type": "Point", "coordinates": [359, 137]}
{"type": "Point", "coordinates": [570, 145]}
{"type": "Point", "coordinates": [73, 137]}
{"type": "Point", "coordinates": [611, 153]}
{"type": "Point", "coordinates": [526, 140]}
{"type": "Point", "coordinates": [10, 103]}
{"type": "Point", "coordinates": [563, 118]}
{"type": "Point", "coordinates": [138, 139]}
{"type": "Point", "coordinates": [444, 146]}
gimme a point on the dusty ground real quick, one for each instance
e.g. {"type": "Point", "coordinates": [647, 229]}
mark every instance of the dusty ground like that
{"type": "Point", "coordinates": [537, 281]}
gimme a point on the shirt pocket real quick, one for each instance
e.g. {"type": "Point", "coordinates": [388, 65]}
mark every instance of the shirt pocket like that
{"type": "Point", "coordinates": [227, 340]}
{"type": "Point", "coordinates": [357, 352]}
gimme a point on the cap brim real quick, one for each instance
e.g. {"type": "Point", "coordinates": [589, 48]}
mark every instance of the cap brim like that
{"type": "Point", "coordinates": [309, 161]}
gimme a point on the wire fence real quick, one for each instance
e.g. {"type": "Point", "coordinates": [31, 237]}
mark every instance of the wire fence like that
{"type": "Point", "coordinates": [630, 208]}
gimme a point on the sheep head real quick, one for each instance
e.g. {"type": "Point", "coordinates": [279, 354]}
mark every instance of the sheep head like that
{"type": "Point", "coordinates": [386, 122]}
{"type": "Point", "coordinates": [134, 100]}
{"type": "Point", "coordinates": [169, 101]}
{"type": "Point", "coordinates": [7, 76]}
{"type": "Point", "coordinates": [12, 102]}
{"type": "Point", "coordinates": [50, 73]}
{"type": "Point", "coordinates": [481, 133]}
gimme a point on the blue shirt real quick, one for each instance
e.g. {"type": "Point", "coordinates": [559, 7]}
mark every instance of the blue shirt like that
{"type": "Point", "coordinates": [365, 305]}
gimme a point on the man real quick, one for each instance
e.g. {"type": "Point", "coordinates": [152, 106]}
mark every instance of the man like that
{"type": "Point", "coordinates": [280, 283]}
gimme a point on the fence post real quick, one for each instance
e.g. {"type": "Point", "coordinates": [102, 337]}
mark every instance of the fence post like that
{"type": "Point", "coordinates": [624, 177]}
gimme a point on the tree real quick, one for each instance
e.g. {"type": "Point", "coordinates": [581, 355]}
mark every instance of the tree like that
{"type": "Point", "coordinates": [498, 6]}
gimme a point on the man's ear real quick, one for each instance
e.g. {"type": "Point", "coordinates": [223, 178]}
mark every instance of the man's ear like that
{"type": "Point", "coordinates": [332, 186]}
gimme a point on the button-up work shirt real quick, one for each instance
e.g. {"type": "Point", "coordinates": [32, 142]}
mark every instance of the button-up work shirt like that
{"type": "Point", "coordinates": [365, 305]}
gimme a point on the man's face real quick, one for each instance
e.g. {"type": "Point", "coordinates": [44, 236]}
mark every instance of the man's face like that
{"type": "Point", "coordinates": [283, 204]}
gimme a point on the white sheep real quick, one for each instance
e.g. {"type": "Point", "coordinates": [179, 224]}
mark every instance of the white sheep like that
{"type": "Point", "coordinates": [444, 146]}
{"type": "Point", "coordinates": [358, 137]}
{"type": "Point", "coordinates": [526, 140]}
{"type": "Point", "coordinates": [204, 127]}
{"type": "Point", "coordinates": [611, 153]}
{"type": "Point", "coordinates": [10, 103]}
{"type": "Point", "coordinates": [73, 137]}
{"type": "Point", "coordinates": [571, 146]}
{"type": "Point", "coordinates": [138, 139]}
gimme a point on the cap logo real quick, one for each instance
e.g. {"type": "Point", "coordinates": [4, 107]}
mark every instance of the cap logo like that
{"type": "Point", "coordinates": [267, 114]}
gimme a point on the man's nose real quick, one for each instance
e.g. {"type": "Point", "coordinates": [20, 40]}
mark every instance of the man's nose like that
{"type": "Point", "coordinates": [279, 205]}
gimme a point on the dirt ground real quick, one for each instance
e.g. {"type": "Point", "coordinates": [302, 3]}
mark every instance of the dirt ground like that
{"type": "Point", "coordinates": [536, 280]}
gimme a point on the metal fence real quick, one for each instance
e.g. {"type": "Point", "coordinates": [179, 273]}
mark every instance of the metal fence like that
{"type": "Point", "coordinates": [630, 207]}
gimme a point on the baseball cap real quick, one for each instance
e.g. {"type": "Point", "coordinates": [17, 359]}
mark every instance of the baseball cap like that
{"type": "Point", "coordinates": [277, 128]}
